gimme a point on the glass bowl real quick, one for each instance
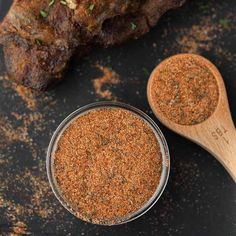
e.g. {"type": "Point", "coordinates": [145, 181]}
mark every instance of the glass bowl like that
{"type": "Point", "coordinates": [160, 138]}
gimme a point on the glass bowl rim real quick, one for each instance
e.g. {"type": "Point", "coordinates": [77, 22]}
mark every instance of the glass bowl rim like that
{"type": "Point", "coordinates": [107, 104]}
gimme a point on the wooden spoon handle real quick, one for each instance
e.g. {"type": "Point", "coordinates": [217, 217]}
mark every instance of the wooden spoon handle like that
{"type": "Point", "coordinates": [226, 151]}
{"type": "Point", "coordinates": [220, 140]}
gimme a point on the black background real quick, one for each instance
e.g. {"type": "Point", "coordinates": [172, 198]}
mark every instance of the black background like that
{"type": "Point", "coordinates": [200, 196]}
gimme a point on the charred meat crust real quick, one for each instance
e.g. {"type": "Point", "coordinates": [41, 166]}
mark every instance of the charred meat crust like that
{"type": "Point", "coordinates": [38, 49]}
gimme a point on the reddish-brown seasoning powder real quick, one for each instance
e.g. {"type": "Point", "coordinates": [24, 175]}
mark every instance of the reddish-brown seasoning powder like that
{"type": "Point", "coordinates": [184, 90]}
{"type": "Point", "coordinates": [108, 78]}
{"type": "Point", "coordinates": [107, 165]}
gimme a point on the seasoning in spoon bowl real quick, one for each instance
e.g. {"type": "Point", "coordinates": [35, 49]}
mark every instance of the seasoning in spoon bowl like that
{"type": "Point", "coordinates": [183, 89]}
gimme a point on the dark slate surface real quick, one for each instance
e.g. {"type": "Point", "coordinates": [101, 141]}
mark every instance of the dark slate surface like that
{"type": "Point", "coordinates": [200, 196]}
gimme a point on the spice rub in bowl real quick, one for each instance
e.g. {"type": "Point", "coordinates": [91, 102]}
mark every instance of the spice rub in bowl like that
{"type": "Point", "coordinates": [107, 165]}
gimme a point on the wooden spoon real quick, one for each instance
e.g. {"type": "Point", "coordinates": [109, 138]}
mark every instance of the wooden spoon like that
{"type": "Point", "coordinates": [217, 134]}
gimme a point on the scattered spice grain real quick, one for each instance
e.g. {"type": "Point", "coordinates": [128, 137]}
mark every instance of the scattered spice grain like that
{"type": "Point", "coordinates": [184, 90]}
{"type": "Point", "coordinates": [107, 165]}
{"type": "Point", "coordinates": [102, 83]}
{"type": "Point", "coordinates": [199, 37]}
{"type": "Point", "coordinates": [20, 228]}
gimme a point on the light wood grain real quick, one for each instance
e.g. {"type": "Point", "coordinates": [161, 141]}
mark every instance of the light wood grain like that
{"type": "Point", "coordinates": [217, 134]}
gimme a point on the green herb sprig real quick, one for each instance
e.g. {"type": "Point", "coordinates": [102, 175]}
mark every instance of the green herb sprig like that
{"type": "Point", "coordinates": [43, 13]}
{"type": "Point", "coordinates": [91, 7]}
{"type": "Point", "coordinates": [63, 2]}
{"type": "Point", "coordinates": [133, 26]}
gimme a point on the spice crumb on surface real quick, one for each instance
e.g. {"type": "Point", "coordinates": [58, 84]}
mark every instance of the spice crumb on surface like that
{"type": "Point", "coordinates": [102, 83]}
{"type": "Point", "coordinates": [199, 36]}
{"type": "Point", "coordinates": [184, 90]}
{"type": "Point", "coordinates": [207, 35]}
{"type": "Point", "coordinates": [107, 165]}
{"type": "Point", "coordinates": [24, 193]}
{"type": "Point", "coordinates": [27, 95]}
{"type": "Point", "coordinates": [32, 99]}
{"type": "Point", "coordinates": [20, 228]}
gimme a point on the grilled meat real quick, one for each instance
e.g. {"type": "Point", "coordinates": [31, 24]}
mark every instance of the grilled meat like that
{"type": "Point", "coordinates": [39, 37]}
